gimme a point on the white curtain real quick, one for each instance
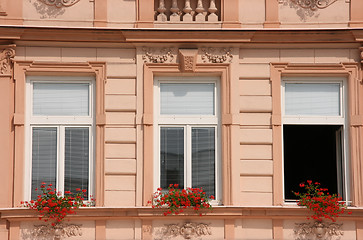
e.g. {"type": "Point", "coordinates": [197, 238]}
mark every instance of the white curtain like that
{"type": "Point", "coordinates": [320, 99]}
{"type": "Point", "coordinates": [187, 98]}
{"type": "Point", "coordinates": [44, 157]}
{"type": "Point", "coordinates": [76, 161]}
{"type": "Point", "coordinates": [203, 159]}
{"type": "Point", "coordinates": [61, 99]}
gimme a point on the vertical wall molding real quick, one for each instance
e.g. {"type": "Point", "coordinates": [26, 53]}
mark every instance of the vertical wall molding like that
{"type": "Point", "coordinates": [271, 14]}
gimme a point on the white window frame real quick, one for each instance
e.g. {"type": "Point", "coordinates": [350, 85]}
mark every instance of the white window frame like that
{"type": "Point", "coordinates": [342, 120]}
{"type": "Point", "coordinates": [188, 122]}
{"type": "Point", "coordinates": [61, 123]}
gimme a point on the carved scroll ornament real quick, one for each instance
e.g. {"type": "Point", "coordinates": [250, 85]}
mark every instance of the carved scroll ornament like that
{"type": "Point", "coordinates": [317, 231]}
{"type": "Point", "coordinates": [314, 4]}
{"type": "Point", "coordinates": [5, 60]}
{"type": "Point", "coordinates": [217, 55]}
{"type": "Point", "coordinates": [152, 55]}
{"type": "Point", "coordinates": [60, 3]}
{"type": "Point", "coordinates": [187, 230]}
{"type": "Point", "coordinates": [59, 231]}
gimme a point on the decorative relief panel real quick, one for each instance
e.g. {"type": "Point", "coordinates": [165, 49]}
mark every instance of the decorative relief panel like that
{"type": "Point", "coordinates": [6, 57]}
{"type": "Point", "coordinates": [314, 4]}
{"type": "Point", "coordinates": [188, 59]}
{"type": "Point", "coordinates": [163, 55]}
{"type": "Point", "coordinates": [60, 3]}
{"type": "Point", "coordinates": [57, 232]}
{"type": "Point", "coordinates": [217, 55]}
{"type": "Point", "coordinates": [186, 230]}
{"type": "Point", "coordinates": [318, 231]}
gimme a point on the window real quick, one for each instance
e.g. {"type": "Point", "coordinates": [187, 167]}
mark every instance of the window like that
{"type": "Point", "coordinates": [60, 133]}
{"type": "Point", "coordinates": [314, 134]}
{"type": "Point", "coordinates": [187, 126]}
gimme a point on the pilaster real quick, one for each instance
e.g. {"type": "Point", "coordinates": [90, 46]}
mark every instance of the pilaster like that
{"type": "Point", "coordinates": [356, 16]}
{"type": "Point", "coordinates": [100, 13]}
{"type": "Point", "coordinates": [271, 14]}
{"type": "Point", "coordinates": [145, 14]}
{"type": "Point", "coordinates": [230, 15]}
{"type": "Point", "coordinates": [7, 53]}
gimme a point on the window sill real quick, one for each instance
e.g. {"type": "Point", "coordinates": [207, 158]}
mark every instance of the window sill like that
{"type": "Point", "coordinates": [225, 212]}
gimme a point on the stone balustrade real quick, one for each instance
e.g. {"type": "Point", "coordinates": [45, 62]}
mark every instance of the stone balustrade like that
{"type": "Point", "coordinates": [187, 10]}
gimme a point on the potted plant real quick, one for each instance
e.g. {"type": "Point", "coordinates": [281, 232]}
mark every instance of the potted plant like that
{"type": "Point", "coordinates": [53, 206]}
{"type": "Point", "coordinates": [175, 200]}
{"type": "Point", "coordinates": [322, 205]}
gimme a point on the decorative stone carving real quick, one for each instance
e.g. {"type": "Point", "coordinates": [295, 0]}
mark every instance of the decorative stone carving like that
{"type": "Point", "coordinates": [6, 56]}
{"type": "Point", "coordinates": [60, 3]}
{"type": "Point", "coordinates": [314, 4]}
{"type": "Point", "coordinates": [164, 55]}
{"type": "Point", "coordinates": [58, 232]}
{"type": "Point", "coordinates": [317, 231]}
{"type": "Point", "coordinates": [217, 55]}
{"type": "Point", "coordinates": [187, 230]}
{"type": "Point", "coordinates": [188, 59]}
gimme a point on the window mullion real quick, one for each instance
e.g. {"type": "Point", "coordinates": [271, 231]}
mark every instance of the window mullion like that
{"type": "Point", "coordinates": [60, 160]}
{"type": "Point", "coordinates": [188, 157]}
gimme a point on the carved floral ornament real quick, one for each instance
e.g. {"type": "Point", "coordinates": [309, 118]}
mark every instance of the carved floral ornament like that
{"type": "Point", "coordinates": [57, 232]}
{"type": "Point", "coordinates": [318, 231]}
{"type": "Point", "coordinates": [153, 55]}
{"type": "Point", "coordinates": [59, 3]}
{"type": "Point", "coordinates": [5, 60]}
{"type": "Point", "coordinates": [186, 230]}
{"type": "Point", "coordinates": [167, 55]}
{"type": "Point", "coordinates": [314, 4]}
{"type": "Point", "coordinates": [217, 55]}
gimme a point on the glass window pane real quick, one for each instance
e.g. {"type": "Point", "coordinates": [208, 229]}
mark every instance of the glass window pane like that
{"type": "Point", "coordinates": [187, 99]}
{"type": "Point", "coordinates": [61, 99]}
{"type": "Point", "coordinates": [76, 159]}
{"type": "Point", "coordinates": [203, 159]}
{"type": "Point", "coordinates": [44, 158]}
{"type": "Point", "coordinates": [312, 99]}
{"type": "Point", "coordinates": [171, 156]}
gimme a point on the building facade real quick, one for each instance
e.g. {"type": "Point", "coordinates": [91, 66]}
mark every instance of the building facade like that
{"type": "Point", "coordinates": [244, 98]}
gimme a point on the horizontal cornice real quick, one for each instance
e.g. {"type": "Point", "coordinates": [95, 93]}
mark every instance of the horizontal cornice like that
{"type": "Point", "coordinates": [106, 35]}
{"type": "Point", "coordinates": [223, 212]}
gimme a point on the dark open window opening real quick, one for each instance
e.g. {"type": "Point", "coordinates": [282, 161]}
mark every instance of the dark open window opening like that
{"type": "Point", "coordinates": [313, 152]}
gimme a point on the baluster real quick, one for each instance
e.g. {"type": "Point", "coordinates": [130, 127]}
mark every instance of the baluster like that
{"type": "Point", "coordinates": [161, 16]}
{"type": "Point", "coordinates": [187, 10]}
{"type": "Point", "coordinates": [212, 17]}
{"type": "Point", "coordinates": [175, 10]}
{"type": "Point", "coordinates": [200, 9]}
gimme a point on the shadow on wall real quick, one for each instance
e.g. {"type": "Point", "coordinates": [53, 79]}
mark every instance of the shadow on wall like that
{"type": "Point", "coordinates": [303, 13]}
{"type": "Point", "coordinates": [46, 11]}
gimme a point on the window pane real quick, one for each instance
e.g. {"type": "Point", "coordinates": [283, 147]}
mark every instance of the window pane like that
{"type": "Point", "coordinates": [203, 159]}
{"type": "Point", "coordinates": [187, 98]}
{"type": "Point", "coordinates": [61, 99]}
{"type": "Point", "coordinates": [76, 159]}
{"type": "Point", "coordinates": [171, 156]}
{"type": "Point", "coordinates": [44, 157]}
{"type": "Point", "coordinates": [312, 99]}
